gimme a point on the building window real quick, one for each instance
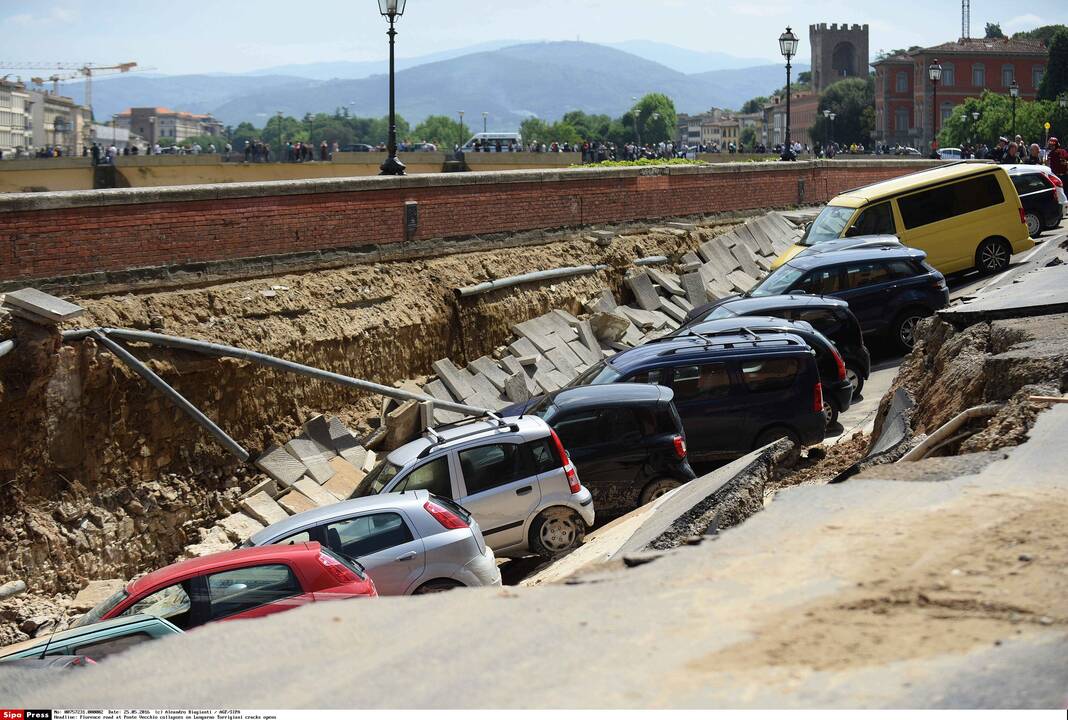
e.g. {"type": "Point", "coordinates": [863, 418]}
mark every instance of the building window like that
{"type": "Point", "coordinates": [1036, 75]}
{"type": "Point", "coordinates": [1008, 74]}
{"type": "Point", "coordinates": [902, 82]}
{"type": "Point", "coordinates": [979, 75]}
{"type": "Point", "coordinates": [901, 119]}
{"type": "Point", "coordinates": [947, 112]}
{"type": "Point", "coordinates": [949, 76]}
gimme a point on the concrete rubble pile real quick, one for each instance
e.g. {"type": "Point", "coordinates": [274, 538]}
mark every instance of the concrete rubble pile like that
{"type": "Point", "coordinates": [321, 466]}
{"type": "Point", "coordinates": [552, 350]}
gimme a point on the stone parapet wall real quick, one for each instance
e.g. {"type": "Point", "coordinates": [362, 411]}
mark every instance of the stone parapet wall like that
{"type": "Point", "coordinates": [68, 234]}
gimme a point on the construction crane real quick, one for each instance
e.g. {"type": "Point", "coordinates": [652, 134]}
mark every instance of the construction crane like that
{"type": "Point", "coordinates": [86, 70]}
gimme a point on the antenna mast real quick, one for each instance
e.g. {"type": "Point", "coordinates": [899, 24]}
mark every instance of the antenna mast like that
{"type": "Point", "coordinates": [965, 19]}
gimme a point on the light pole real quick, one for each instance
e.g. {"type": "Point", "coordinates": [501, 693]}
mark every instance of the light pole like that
{"type": "Point", "coordinates": [827, 134]}
{"type": "Point", "coordinates": [460, 147]}
{"type": "Point", "coordinates": [788, 43]}
{"type": "Point", "coordinates": [1062, 100]}
{"type": "Point", "coordinates": [485, 123]}
{"type": "Point", "coordinates": [1014, 92]}
{"type": "Point", "coordinates": [935, 74]}
{"type": "Point", "coordinates": [635, 111]}
{"type": "Point", "coordinates": [392, 9]}
{"type": "Point", "coordinates": [975, 122]}
{"type": "Point", "coordinates": [833, 116]}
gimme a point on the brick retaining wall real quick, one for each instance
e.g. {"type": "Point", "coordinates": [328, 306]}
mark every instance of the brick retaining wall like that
{"type": "Point", "coordinates": [65, 234]}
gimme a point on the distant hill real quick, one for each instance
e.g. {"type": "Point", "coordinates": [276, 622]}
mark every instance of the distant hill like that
{"type": "Point", "coordinates": [510, 83]}
{"type": "Point", "coordinates": [683, 59]}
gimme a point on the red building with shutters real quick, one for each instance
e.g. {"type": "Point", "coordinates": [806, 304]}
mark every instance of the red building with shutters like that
{"type": "Point", "coordinates": [903, 93]}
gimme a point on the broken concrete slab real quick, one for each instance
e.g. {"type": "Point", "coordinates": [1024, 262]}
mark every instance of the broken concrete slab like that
{"type": "Point", "coordinates": [512, 365]}
{"type": "Point", "coordinates": [347, 477]}
{"type": "Point", "coordinates": [96, 592]}
{"type": "Point", "coordinates": [294, 502]}
{"type": "Point", "coordinates": [533, 333]}
{"type": "Point", "coordinates": [644, 292]}
{"type": "Point", "coordinates": [717, 253]}
{"type": "Point", "coordinates": [403, 425]}
{"type": "Point", "coordinates": [437, 390]}
{"type": "Point", "coordinates": [665, 279]}
{"type": "Point", "coordinates": [342, 439]}
{"type": "Point", "coordinates": [456, 380]}
{"type": "Point", "coordinates": [694, 285]}
{"type": "Point", "coordinates": [524, 348]}
{"type": "Point", "coordinates": [604, 302]}
{"type": "Point", "coordinates": [747, 260]}
{"type": "Point", "coordinates": [518, 389]}
{"type": "Point", "coordinates": [483, 387]}
{"type": "Point", "coordinates": [567, 317]}
{"type": "Point", "coordinates": [315, 492]}
{"type": "Point", "coordinates": [587, 355]}
{"type": "Point", "coordinates": [307, 451]}
{"type": "Point", "coordinates": [262, 508]}
{"type": "Point", "coordinates": [761, 234]}
{"type": "Point", "coordinates": [212, 540]}
{"type": "Point", "coordinates": [608, 327]}
{"type": "Point", "coordinates": [682, 302]}
{"type": "Point", "coordinates": [565, 360]}
{"type": "Point", "coordinates": [240, 527]}
{"type": "Point", "coordinates": [741, 281]}
{"type": "Point", "coordinates": [318, 431]}
{"type": "Point", "coordinates": [491, 370]}
{"type": "Point", "coordinates": [558, 377]}
{"type": "Point", "coordinates": [43, 305]}
{"type": "Point", "coordinates": [1042, 292]}
{"type": "Point", "coordinates": [268, 485]}
{"type": "Point", "coordinates": [281, 466]}
{"type": "Point", "coordinates": [587, 337]}
{"type": "Point", "coordinates": [632, 338]}
{"type": "Point", "coordinates": [672, 310]}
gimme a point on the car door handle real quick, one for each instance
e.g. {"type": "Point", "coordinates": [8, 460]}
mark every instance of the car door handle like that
{"type": "Point", "coordinates": [407, 556]}
{"type": "Point", "coordinates": [524, 490]}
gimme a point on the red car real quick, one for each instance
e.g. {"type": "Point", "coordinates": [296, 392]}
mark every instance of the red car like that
{"type": "Point", "coordinates": [237, 585]}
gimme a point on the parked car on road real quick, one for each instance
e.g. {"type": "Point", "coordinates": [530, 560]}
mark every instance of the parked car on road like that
{"type": "Point", "coordinates": [95, 641]}
{"type": "Point", "coordinates": [357, 147]}
{"type": "Point", "coordinates": [410, 543]}
{"type": "Point", "coordinates": [888, 289]}
{"type": "Point", "coordinates": [626, 441]}
{"type": "Point", "coordinates": [963, 215]}
{"type": "Point", "coordinates": [829, 315]}
{"type": "Point", "coordinates": [1043, 200]}
{"type": "Point", "coordinates": [235, 585]}
{"type": "Point", "coordinates": [512, 475]}
{"type": "Point", "coordinates": [950, 153]}
{"type": "Point", "coordinates": [837, 390]}
{"type": "Point", "coordinates": [734, 393]}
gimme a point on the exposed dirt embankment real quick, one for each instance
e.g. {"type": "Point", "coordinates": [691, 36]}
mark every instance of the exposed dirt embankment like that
{"type": "Point", "coordinates": [100, 476]}
{"type": "Point", "coordinates": [1004, 362]}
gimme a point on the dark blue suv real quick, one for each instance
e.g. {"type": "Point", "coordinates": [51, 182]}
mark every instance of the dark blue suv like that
{"type": "Point", "coordinates": [889, 289]}
{"type": "Point", "coordinates": [734, 393]}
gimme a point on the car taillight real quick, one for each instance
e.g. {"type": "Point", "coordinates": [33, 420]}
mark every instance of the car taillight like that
{"type": "Point", "coordinates": [817, 398]}
{"type": "Point", "coordinates": [840, 363]}
{"type": "Point", "coordinates": [1023, 216]}
{"type": "Point", "coordinates": [340, 573]}
{"type": "Point", "coordinates": [565, 462]}
{"type": "Point", "coordinates": [448, 519]}
{"type": "Point", "coordinates": [680, 447]}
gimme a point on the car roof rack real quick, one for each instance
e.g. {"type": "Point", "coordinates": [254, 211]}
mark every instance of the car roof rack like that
{"type": "Point", "coordinates": [437, 439]}
{"type": "Point", "coordinates": [711, 341]}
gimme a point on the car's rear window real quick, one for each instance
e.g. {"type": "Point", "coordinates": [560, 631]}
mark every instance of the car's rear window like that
{"type": "Point", "coordinates": [770, 375]}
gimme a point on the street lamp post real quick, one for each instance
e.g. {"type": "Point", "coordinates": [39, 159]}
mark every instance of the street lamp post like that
{"type": "Point", "coordinates": [392, 9]}
{"type": "Point", "coordinates": [935, 74]}
{"type": "Point", "coordinates": [975, 122]}
{"type": "Point", "coordinates": [1062, 100]}
{"type": "Point", "coordinates": [1014, 92]}
{"type": "Point", "coordinates": [827, 134]}
{"type": "Point", "coordinates": [485, 123]}
{"type": "Point", "coordinates": [281, 157]}
{"type": "Point", "coordinates": [788, 43]}
{"type": "Point", "coordinates": [460, 147]}
{"type": "Point", "coordinates": [833, 116]}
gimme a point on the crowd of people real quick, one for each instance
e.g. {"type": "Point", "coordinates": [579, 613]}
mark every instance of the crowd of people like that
{"type": "Point", "coordinates": [1019, 151]}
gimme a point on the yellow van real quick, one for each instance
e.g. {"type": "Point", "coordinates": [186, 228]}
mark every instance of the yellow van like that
{"type": "Point", "coordinates": [964, 216]}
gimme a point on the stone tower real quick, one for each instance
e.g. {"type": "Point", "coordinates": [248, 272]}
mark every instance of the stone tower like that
{"type": "Point", "coordinates": [838, 51]}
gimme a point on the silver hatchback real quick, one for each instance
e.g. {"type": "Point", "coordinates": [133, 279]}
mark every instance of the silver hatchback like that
{"type": "Point", "coordinates": [512, 474]}
{"type": "Point", "coordinates": [409, 543]}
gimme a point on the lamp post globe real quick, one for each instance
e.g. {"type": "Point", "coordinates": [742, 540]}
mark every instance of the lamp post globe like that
{"type": "Point", "coordinates": [392, 9]}
{"type": "Point", "coordinates": [788, 43]}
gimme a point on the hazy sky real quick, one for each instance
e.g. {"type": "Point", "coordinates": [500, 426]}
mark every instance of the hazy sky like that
{"type": "Point", "coordinates": [179, 38]}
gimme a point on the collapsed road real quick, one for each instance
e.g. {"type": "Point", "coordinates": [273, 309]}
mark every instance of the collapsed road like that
{"type": "Point", "coordinates": [867, 588]}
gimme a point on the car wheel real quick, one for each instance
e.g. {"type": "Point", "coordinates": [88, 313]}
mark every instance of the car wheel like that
{"type": "Point", "coordinates": [903, 331]}
{"type": "Point", "coordinates": [1034, 225]}
{"type": "Point", "coordinates": [556, 531]}
{"type": "Point", "coordinates": [993, 256]}
{"type": "Point", "coordinates": [830, 412]}
{"type": "Point", "coordinates": [436, 586]}
{"type": "Point", "coordinates": [855, 378]}
{"type": "Point", "coordinates": [657, 489]}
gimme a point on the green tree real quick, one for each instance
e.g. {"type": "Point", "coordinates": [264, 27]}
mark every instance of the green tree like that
{"type": "Point", "coordinates": [656, 118]}
{"type": "Point", "coordinates": [1044, 34]}
{"type": "Point", "coordinates": [995, 120]}
{"type": "Point", "coordinates": [244, 133]}
{"type": "Point", "coordinates": [281, 129]}
{"type": "Point", "coordinates": [748, 137]}
{"type": "Point", "coordinates": [206, 141]}
{"type": "Point", "coordinates": [993, 30]}
{"type": "Point", "coordinates": [754, 105]}
{"type": "Point", "coordinates": [849, 99]}
{"type": "Point", "coordinates": [1055, 79]}
{"type": "Point", "coordinates": [535, 130]}
{"type": "Point", "coordinates": [441, 130]}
